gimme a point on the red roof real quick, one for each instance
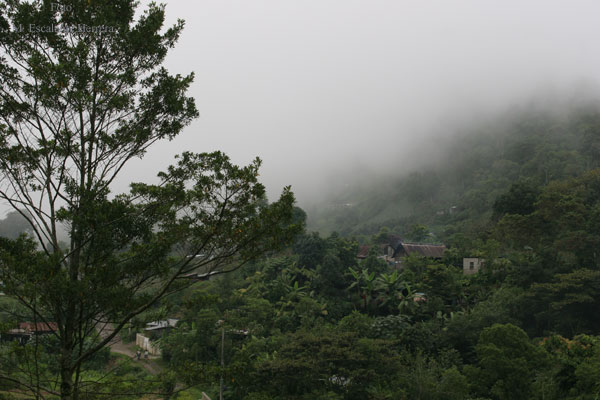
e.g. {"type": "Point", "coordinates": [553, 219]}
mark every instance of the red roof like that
{"type": "Point", "coordinates": [38, 327]}
{"type": "Point", "coordinates": [363, 251]}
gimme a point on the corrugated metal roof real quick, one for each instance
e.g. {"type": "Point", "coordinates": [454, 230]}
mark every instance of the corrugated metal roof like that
{"type": "Point", "coordinates": [38, 326]}
{"type": "Point", "coordinates": [200, 276]}
{"type": "Point", "coordinates": [424, 250]}
{"type": "Point", "coordinates": [156, 325]}
{"type": "Point", "coordinates": [363, 251]}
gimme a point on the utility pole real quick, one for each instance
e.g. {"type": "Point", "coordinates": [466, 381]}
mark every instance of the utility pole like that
{"type": "Point", "coordinates": [222, 357]}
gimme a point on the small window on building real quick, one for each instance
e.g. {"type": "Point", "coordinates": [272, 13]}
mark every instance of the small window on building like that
{"type": "Point", "coordinates": [471, 265]}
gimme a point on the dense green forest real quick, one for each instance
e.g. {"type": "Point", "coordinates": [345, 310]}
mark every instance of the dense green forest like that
{"type": "Point", "coordinates": [315, 322]}
{"type": "Point", "coordinates": [324, 325]}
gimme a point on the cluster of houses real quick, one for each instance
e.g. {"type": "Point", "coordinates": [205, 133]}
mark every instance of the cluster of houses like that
{"type": "Point", "coordinates": [146, 341]}
{"type": "Point", "coordinates": [394, 251]}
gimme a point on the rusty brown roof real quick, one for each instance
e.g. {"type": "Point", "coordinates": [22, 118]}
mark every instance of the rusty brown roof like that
{"type": "Point", "coordinates": [424, 250]}
{"type": "Point", "coordinates": [363, 251]}
{"type": "Point", "coordinates": [38, 326]}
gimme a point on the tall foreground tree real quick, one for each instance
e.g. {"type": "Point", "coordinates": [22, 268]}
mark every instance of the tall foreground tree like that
{"type": "Point", "coordinates": [82, 92]}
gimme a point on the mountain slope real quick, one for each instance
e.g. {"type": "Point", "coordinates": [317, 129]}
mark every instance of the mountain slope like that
{"type": "Point", "coordinates": [456, 193]}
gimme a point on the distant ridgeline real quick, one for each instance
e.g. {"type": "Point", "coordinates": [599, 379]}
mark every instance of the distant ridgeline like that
{"type": "Point", "coordinates": [13, 224]}
{"type": "Point", "coordinates": [456, 195]}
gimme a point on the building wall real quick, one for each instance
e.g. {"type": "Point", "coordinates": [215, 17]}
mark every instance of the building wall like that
{"type": "Point", "coordinates": [472, 265]}
{"type": "Point", "coordinates": [145, 343]}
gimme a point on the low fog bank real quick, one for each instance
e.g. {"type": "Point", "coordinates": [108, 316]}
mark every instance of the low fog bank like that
{"type": "Point", "coordinates": [331, 94]}
{"type": "Point", "coordinates": [324, 91]}
{"type": "Point", "coordinates": [432, 148]}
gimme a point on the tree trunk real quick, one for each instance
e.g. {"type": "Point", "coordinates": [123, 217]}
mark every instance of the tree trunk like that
{"type": "Point", "coordinates": [66, 356]}
{"type": "Point", "coordinates": [66, 374]}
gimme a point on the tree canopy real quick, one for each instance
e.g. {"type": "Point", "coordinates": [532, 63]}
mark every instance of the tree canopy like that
{"type": "Point", "coordinates": [77, 103]}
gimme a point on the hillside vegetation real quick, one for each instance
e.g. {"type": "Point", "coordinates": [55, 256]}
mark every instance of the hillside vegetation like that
{"type": "Point", "coordinates": [456, 193]}
{"type": "Point", "coordinates": [323, 324]}
{"type": "Point", "coordinates": [315, 322]}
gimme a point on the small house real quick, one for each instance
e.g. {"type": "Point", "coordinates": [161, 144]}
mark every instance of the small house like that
{"type": "Point", "coordinates": [396, 249]}
{"type": "Point", "coordinates": [39, 328]}
{"type": "Point", "coordinates": [26, 330]}
{"type": "Point", "coordinates": [419, 297]}
{"type": "Point", "coordinates": [423, 250]}
{"type": "Point", "coordinates": [472, 265]}
{"type": "Point", "coordinates": [157, 329]}
{"type": "Point", "coordinates": [381, 250]}
{"type": "Point", "coordinates": [153, 331]}
{"type": "Point", "coordinates": [144, 343]}
{"type": "Point", "coordinates": [363, 251]}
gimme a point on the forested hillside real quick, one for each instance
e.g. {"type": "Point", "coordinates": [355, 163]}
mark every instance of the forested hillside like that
{"type": "Point", "coordinates": [455, 193]}
{"type": "Point", "coordinates": [317, 322]}
{"type": "Point", "coordinates": [314, 321]}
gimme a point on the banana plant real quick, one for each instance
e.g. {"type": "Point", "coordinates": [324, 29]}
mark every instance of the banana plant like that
{"type": "Point", "coordinates": [407, 299]}
{"type": "Point", "coordinates": [446, 318]}
{"type": "Point", "coordinates": [296, 291]}
{"type": "Point", "coordinates": [365, 282]}
{"type": "Point", "coordinates": [285, 279]}
{"type": "Point", "coordinates": [357, 279]}
{"type": "Point", "coordinates": [292, 292]}
{"type": "Point", "coordinates": [369, 279]}
{"type": "Point", "coordinates": [387, 284]}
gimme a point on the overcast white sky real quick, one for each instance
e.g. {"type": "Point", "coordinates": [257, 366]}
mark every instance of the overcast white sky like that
{"type": "Point", "coordinates": [321, 87]}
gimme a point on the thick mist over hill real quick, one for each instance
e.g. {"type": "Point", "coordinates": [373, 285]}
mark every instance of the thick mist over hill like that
{"type": "Point", "coordinates": [326, 91]}
{"type": "Point", "coordinates": [461, 173]}
{"type": "Point", "coordinates": [335, 96]}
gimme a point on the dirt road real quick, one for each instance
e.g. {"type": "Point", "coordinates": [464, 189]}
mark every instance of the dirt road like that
{"type": "Point", "coordinates": [117, 346]}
